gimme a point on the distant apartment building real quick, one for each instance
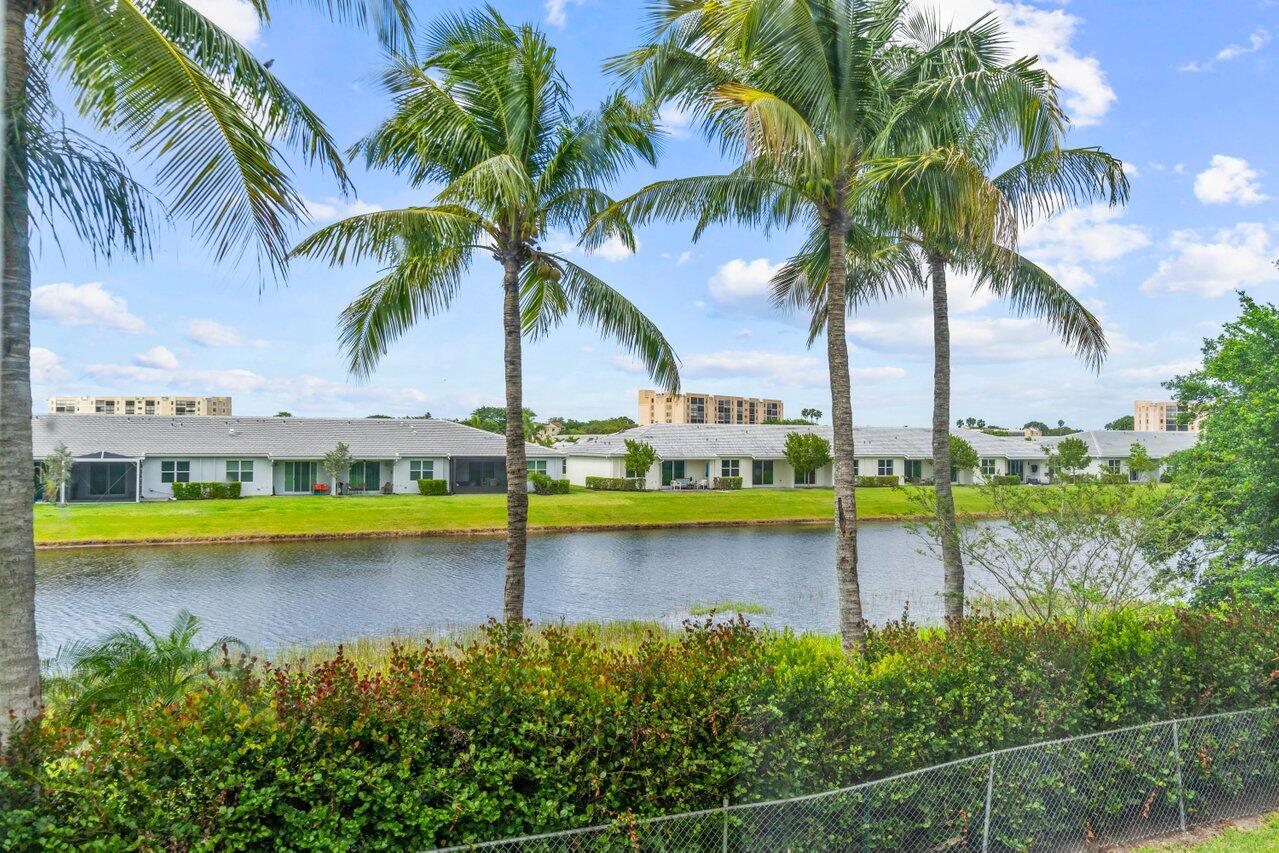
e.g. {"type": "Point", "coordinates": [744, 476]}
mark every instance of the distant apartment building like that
{"type": "Point", "coordinates": [691, 408]}
{"type": "Point", "coordinates": [156, 405]}
{"type": "Point", "coordinates": [1162, 416]}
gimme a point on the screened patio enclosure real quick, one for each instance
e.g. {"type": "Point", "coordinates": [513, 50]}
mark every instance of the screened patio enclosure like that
{"type": "Point", "coordinates": [103, 477]}
{"type": "Point", "coordinates": [479, 474]}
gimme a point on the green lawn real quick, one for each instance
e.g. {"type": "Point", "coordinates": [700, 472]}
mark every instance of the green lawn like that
{"type": "Point", "coordinates": [1229, 840]}
{"type": "Point", "coordinates": [414, 513]}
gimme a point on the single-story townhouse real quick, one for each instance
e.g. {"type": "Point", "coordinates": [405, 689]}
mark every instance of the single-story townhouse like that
{"type": "Point", "coordinates": [123, 458]}
{"type": "Point", "coordinates": [756, 453]}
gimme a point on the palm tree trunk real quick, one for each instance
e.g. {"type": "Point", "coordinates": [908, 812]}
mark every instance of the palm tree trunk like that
{"type": "Point", "coordinates": [948, 532]}
{"type": "Point", "coordinates": [516, 467]}
{"type": "Point", "coordinates": [852, 626]}
{"type": "Point", "coordinates": [19, 661]}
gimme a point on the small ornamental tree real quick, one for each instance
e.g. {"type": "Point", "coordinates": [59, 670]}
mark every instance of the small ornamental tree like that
{"type": "Point", "coordinates": [55, 473]}
{"type": "Point", "coordinates": [963, 456]}
{"type": "Point", "coordinates": [336, 463]}
{"type": "Point", "coordinates": [640, 456]}
{"type": "Point", "coordinates": [807, 451]}
{"type": "Point", "coordinates": [1071, 456]}
{"type": "Point", "coordinates": [1140, 461]}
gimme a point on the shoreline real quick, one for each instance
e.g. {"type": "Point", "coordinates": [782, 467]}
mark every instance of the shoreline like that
{"type": "Point", "coordinates": [255, 538]}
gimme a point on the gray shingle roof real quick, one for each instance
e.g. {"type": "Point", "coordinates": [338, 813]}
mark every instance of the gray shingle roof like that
{"type": "Point", "coordinates": [279, 438]}
{"type": "Point", "coordinates": [767, 441]}
{"type": "Point", "coordinates": [1104, 443]}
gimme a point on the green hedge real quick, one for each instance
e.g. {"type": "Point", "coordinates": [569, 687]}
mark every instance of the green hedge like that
{"type": "Point", "coordinates": [615, 484]}
{"type": "Point", "coordinates": [433, 487]}
{"type": "Point", "coordinates": [877, 482]}
{"type": "Point", "coordinates": [443, 746]}
{"type": "Point", "coordinates": [728, 483]}
{"type": "Point", "coordinates": [1114, 479]}
{"type": "Point", "coordinates": [544, 485]}
{"type": "Point", "coordinates": [1006, 480]}
{"type": "Point", "coordinates": [206, 491]}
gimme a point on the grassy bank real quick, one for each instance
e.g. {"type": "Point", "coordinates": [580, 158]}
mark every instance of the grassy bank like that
{"type": "Point", "coordinates": [414, 514]}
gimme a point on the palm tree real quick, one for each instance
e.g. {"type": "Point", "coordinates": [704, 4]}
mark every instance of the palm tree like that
{"type": "Point", "coordinates": [804, 91]}
{"type": "Point", "coordinates": [921, 198]}
{"type": "Point", "coordinates": [487, 115]}
{"type": "Point", "coordinates": [134, 669]}
{"type": "Point", "coordinates": [181, 94]}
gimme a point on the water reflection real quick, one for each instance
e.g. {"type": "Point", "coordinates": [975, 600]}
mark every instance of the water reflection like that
{"type": "Point", "coordinates": [306, 592]}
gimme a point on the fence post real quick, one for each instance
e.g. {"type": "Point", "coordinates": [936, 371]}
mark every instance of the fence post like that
{"type": "Point", "coordinates": [990, 793]}
{"type": "Point", "coordinates": [724, 833]}
{"type": "Point", "coordinates": [1181, 785]}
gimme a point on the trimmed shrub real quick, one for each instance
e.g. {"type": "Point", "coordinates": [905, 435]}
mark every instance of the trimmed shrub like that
{"type": "Point", "coordinates": [433, 487]}
{"type": "Point", "coordinates": [1113, 479]}
{"type": "Point", "coordinates": [206, 491]}
{"type": "Point", "coordinates": [727, 483]}
{"type": "Point", "coordinates": [1006, 480]}
{"type": "Point", "coordinates": [877, 482]}
{"type": "Point", "coordinates": [519, 733]}
{"type": "Point", "coordinates": [544, 485]}
{"type": "Point", "coordinates": [615, 484]}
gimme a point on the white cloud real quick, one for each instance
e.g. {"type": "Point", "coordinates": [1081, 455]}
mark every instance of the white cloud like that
{"type": "Point", "coordinates": [684, 257]}
{"type": "Point", "coordinates": [211, 333]}
{"type": "Point", "coordinates": [614, 250]}
{"type": "Point", "coordinates": [1229, 180]}
{"type": "Point", "coordinates": [1233, 258]}
{"type": "Point", "coordinates": [629, 363]}
{"type": "Point", "coordinates": [331, 209]}
{"type": "Point", "coordinates": [46, 366]}
{"type": "Point", "coordinates": [1083, 235]}
{"type": "Point", "coordinates": [1050, 34]}
{"type": "Point", "coordinates": [236, 17]}
{"type": "Point", "coordinates": [1257, 39]}
{"type": "Point", "coordinates": [675, 121]}
{"type": "Point", "coordinates": [84, 305]}
{"type": "Point", "coordinates": [779, 368]}
{"type": "Point", "coordinates": [742, 284]}
{"type": "Point", "coordinates": [158, 357]}
{"type": "Point", "coordinates": [304, 388]}
{"type": "Point", "coordinates": [557, 11]}
{"type": "Point", "coordinates": [1151, 374]}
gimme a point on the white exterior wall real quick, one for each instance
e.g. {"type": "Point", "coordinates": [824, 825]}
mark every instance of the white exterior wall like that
{"type": "Point", "coordinates": [402, 484]}
{"type": "Point", "coordinates": [204, 469]}
{"type": "Point", "coordinates": [581, 467]}
{"type": "Point", "coordinates": [554, 466]}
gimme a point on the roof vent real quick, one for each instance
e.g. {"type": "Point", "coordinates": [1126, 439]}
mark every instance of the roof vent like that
{"type": "Point", "coordinates": [233, 431]}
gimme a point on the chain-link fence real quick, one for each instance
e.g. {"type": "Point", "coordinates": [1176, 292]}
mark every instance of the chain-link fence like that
{"type": "Point", "coordinates": [1080, 793]}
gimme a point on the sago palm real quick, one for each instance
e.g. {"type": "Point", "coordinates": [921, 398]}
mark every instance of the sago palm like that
{"type": "Point", "coordinates": [917, 195]}
{"type": "Point", "coordinates": [804, 92]}
{"type": "Point", "coordinates": [181, 95]}
{"type": "Point", "coordinates": [487, 115]}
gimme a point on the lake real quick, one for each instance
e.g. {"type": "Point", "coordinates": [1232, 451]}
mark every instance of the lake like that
{"type": "Point", "coordinates": [300, 593]}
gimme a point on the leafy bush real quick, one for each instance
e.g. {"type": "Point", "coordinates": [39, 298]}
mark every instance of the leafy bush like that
{"type": "Point", "coordinates": [615, 484]}
{"type": "Point", "coordinates": [544, 485]}
{"type": "Point", "coordinates": [517, 733]}
{"type": "Point", "coordinates": [876, 482]}
{"type": "Point", "coordinates": [433, 487]}
{"type": "Point", "coordinates": [728, 483]}
{"type": "Point", "coordinates": [206, 491]}
{"type": "Point", "coordinates": [1006, 480]}
{"type": "Point", "coordinates": [1114, 479]}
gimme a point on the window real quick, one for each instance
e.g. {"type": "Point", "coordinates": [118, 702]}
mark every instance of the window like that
{"type": "Point", "coordinates": [239, 470]}
{"type": "Point", "coordinates": [1016, 467]}
{"type": "Point", "coordinates": [723, 411]}
{"type": "Point", "coordinates": [885, 467]}
{"type": "Point", "coordinates": [424, 469]}
{"type": "Point", "coordinates": [128, 407]}
{"type": "Point", "coordinates": [149, 407]}
{"type": "Point", "coordinates": [772, 412]}
{"type": "Point", "coordinates": [299, 476]}
{"type": "Point", "coordinates": [538, 465]}
{"type": "Point", "coordinates": [184, 407]}
{"type": "Point", "coordinates": [365, 477]}
{"type": "Point", "coordinates": [988, 468]}
{"type": "Point", "coordinates": [697, 410]}
{"type": "Point", "coordinates": [672, 469]}
{"type": "Point", "coordinates": [762, 472]}
{"type": "Point", "coordinates": [914, 469]}
{"type": "Point", "coordinates": [954, 475]}
{"type": "Point", "coordinates": [857, 468]}
{"type": "Point", "coordinates": [805, 478]}
{"type": "Point", "coordinates": [1114, 466]}
{"type": "Point", "coordinates": [175, 471]}
{"type": "Point", "coordinates": [730, 468]}
{"type": "Point", "coordinates": [104, 407]}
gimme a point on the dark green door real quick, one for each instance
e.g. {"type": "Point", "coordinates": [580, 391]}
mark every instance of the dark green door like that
{"type": "Point", "coordinates": [672, 469]}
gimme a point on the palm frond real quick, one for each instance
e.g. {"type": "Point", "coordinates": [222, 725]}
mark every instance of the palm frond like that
{"type": "Point", "coordinates": [1042, 186]}
{"type": "Point", "coordinates": [386, 235]}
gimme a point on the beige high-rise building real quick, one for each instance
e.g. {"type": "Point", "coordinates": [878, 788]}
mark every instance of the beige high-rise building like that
{"type": "Point", "coordinates": [1161, 416]}
{"type": "Point", "coordinates": [692, 408]}
{"type": "Point", "coordinates": [157, 405]}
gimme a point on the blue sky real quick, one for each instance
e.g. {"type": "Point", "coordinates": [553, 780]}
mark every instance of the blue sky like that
{"type": "Point", "coordinates": [1186, 99]}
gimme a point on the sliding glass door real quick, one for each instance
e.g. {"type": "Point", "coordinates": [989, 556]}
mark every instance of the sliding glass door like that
{"type": "Point", "coordinates": [365, 477]}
